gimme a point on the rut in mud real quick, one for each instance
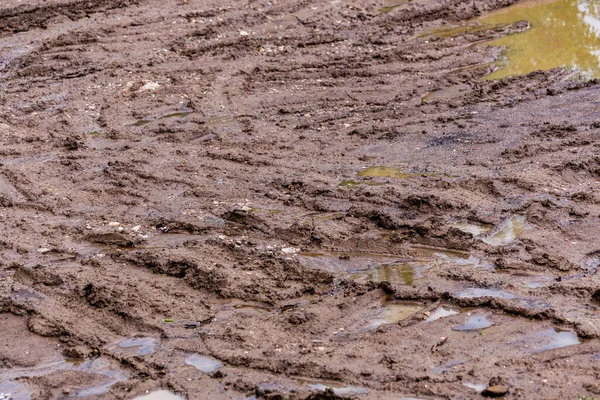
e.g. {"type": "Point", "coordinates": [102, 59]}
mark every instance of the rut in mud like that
{"type": "Point", "coordinates": [291, 199]}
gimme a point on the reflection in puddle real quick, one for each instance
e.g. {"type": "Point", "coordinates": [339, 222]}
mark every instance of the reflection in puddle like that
{"type": "Point", "coordinates": [474, 229]}
{"type": "Point", "coordinates": [159, 395]}
{"type": "Point", "coordinates": [392, 314]}
{"type": "Point", "coordinates": [563, 33]}
{"type": "Point", "coordinates": [474, 323]}
{"type": "Point", "coordinates": [439, 313]}
{"type": "Point", "coordinates": [478, 387]}
{"type": "Point", "coordinates": [203, 363]}
{"type": "Point", "coordinates": [507, 232]}
{"type": "Point", "coordinates": [443, 368]}
{"type": "Point", "coordinates": [98, 370]}
{"type": "Point", "coordinates": [448, 93]}
{"type": "Point", "coordinates": [390, 172]}
{"type": "Point", "coordinates": [364, 267]}
{"type": "Point", "coordinates": [338, 388]}
{"type": "Point", "coordinates": [146, 345]}
{"type": "Point", "coordinates": [391, 7]}
{"type": "Point", "coordinates": [548, 339]}
{"type": "Point", "coordinates": [471, 293]}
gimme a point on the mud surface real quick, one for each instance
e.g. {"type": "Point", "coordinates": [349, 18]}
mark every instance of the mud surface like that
{"type": "Point", "coordinates": [291, 199]}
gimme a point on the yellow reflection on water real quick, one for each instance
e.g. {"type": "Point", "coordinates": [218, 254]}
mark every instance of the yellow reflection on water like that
{"type": "Point", "coordinates": [563, 33]}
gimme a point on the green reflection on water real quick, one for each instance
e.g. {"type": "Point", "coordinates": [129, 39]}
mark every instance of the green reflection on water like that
{"type": "Point", "coordinates": [563, 33]}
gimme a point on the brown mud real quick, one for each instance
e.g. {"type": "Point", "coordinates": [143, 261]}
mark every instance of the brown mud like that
{"type": "Point", "coordinates": [291, 199]}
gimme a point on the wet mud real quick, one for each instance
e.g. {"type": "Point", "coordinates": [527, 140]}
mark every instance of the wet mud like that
{"type": "Point", "coordinates": [298, 200]}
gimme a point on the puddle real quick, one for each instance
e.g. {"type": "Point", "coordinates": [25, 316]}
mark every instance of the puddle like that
{"type": "Point", "coordinates": [143, 346]}
{"type": "Point", "coordinates": [449, 366]}
{"type": "Point", "coordinates": [389, 8]}
{"type": "Point", "coordinates": [338, 388]}
{"type": "Point", "coordinates": [364, 267]}
{"type": "Point", "coordinates": [159, 395]}
{"type": "Point", "coordinates": [478, 387]}
{"type": "Point", "coordinates": [474, 229]}
{"type": "Point", "coordinates": [507, 232]}
{"type": "Point", "coordinates": [176, 115]}
{"type": "Point", "coordinates": [474, 323]}
{"type": "Point", "coordinates": [440, 313]}
{"type": "Point", "coordinates": [263, 210]}
{"type": "Point", "coordinates": [548, 339]}
{"type": "Point", "coordinates": [448, 93]}
{"type": "Point", "coordinates": [219, 120]}
{"type": "Point", "coordinates": [390, 172]}
{"type": "Point", "coordinates": [392, 314]}
{"type": "Point", "coordinates": [472, 293]}
{"type": "Point", "coordinates": [203, 363]}
{"type": "Point", "coordinates": [98, 367]}
{"type": "Point", "coordinates": [350, 183]}
{"type": "Point", "coordinates": [141, 122]}
{"type": "Point", "coordinates": [563, 33]}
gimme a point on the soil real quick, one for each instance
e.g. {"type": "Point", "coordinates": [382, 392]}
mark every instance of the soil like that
{"type": "Point", "coordinates": [189, 179]}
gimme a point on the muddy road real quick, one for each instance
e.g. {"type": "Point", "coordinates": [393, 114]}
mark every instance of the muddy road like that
{"type": "Point", "coordinates": [291, 199]}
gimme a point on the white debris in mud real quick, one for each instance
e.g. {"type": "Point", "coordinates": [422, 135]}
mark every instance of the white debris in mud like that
{"type": "Point", "coordinates": [114, 223]}
{"type": "Point", "coordinates": [244, 33]}
{"type": "Point", "coordinates": [149, 86]}
{"type": "Point", "coordinates": [290, 250]}
{"type": "Point", "coordinates": [41, 250]}
{"type": "Point", "coordinates": [5, 396]}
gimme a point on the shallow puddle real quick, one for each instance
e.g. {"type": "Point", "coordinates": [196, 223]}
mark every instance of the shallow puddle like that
{"type": "Point", "coordinates": [203, 363]}
{"type": "Point", "coordinates": [474, 323]}
{"type": "Point", "coordinates": [478, 387]}
{"type": "Point", "coordinates": [159, 395]}
{"type": "Point", "coordinates": [142, 346]}
{"type": "Point", "coordinates": [507, 232]}
{"type": "Point", "coordinates": [547, 339]}
{"type": "Point", "coordinates": [471, 293]}
{"type": "Point", "coordinates": [474, 229]}
{"type": "Point", "coordinates": [448, 93]}
{"type": "Point", "coordinates": [440, 313]}
{"type": "Point", "coordinates": [141, 122]}
{"type": "Point", "coordinates": [176, 115]}
{"type": "Point", "coordinates": [446, 367]}
{"type": "Point", "coordinates": [338, 388]}
{"type": "Point", "coordinates": [392, 314]}
{"type": "Point", "coordinates": [389, 172]}
{"type": "Point", "coordinates": [563, 33]}
{"type": "Point", "coordinates": [389, 8]}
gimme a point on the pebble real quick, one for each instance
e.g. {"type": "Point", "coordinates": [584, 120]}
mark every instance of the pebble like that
{"type": "Point", "coordinates": [495, 391]}
{"type": "Point", "coordinates": [244, 33]}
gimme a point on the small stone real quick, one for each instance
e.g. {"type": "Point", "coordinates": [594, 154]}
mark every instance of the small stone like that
{"type": "Point", "coordinates": [244, 33]}
{"type": "Point", "coordinates": [297, 318]}
{"type": "Point", "coordinates": [495, 391]}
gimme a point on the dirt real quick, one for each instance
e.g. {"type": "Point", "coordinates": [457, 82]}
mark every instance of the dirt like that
{"type": "Point", "coordinates": [188, 208]}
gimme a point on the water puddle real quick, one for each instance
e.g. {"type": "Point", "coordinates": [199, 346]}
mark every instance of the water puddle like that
{"type": "Point", "coordinates": [141, 122]}
{"type": "Point", "coordinates": [141, 346]}
{"type": "Point", "coordinates": [473, 228]}
{"type": "Point", "coordinates": [478, 387]}
{"type": "Point", "coordinates": [351, 183]}
{"type": "Point", "coordinates": [338, 388]}
{"type": "Point", "coordinates": [547, 339]}
{"type": "Point", "coordinates": [364, 267]}
{"type": "Point", "coordinates": [390, 7]}
{"type": "Point", "coordinates": [98, 369]}
{"type": "Point", "coordinates": [159, 395]}
{"type": "Point", "coordinates": [474, 323]}
{"type": "Point", "coordinates": [390, 172]}
{"type": "Point", "coordinates": [263, 210]}
{"type": "Point", "coordinates": [176, 115]}
{"type": "Point", "coordinates": [447, 367]}
{"type": "Point", "coordinates": [392, 313]}
{"type": "Point", "coordinates": [440, 313]}
{"type": "Point", "coordinates": [563, 33]}
{"type": "Point", "coordinates": [448, 93]}
{"type": "Point", "coordinates": [507, 232]}
{"type": "Point", "coordinates": [203, 363]}
{"type": "Point", "coordinates": [471, 293]}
